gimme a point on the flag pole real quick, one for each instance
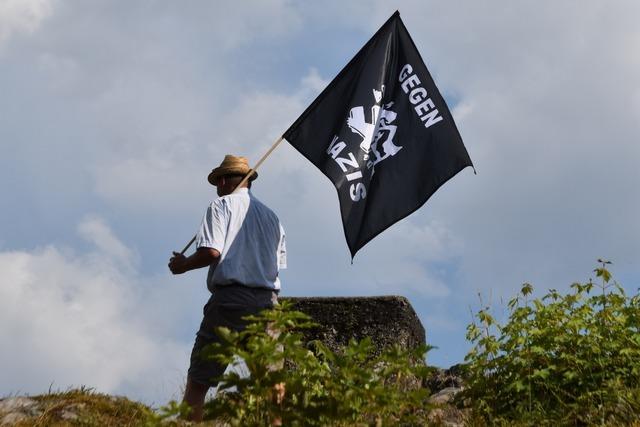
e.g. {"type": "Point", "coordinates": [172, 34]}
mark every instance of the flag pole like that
{"type": "Point", "coordinates": [244, 180]}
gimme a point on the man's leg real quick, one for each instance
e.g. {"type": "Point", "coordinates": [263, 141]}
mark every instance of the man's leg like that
{"type": "Point", "coordinates": [201, 370]}
{"type": "Point", "coordinates": [194, 395]}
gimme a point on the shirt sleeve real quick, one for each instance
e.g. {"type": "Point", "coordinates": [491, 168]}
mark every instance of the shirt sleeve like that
{"type": "Point", "coordinates": [213, 229]}
{"type": "Point", "coordinates": [282, 251]}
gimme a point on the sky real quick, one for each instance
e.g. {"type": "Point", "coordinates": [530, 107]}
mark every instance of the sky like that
{"type": "Point", "coordinates": [112, 113]}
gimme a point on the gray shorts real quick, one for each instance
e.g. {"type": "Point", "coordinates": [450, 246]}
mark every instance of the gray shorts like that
{"type": "Point", "coordinates": [226, 307]}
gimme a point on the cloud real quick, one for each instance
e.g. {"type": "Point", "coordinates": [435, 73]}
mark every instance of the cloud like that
{"type": "Point", "coordinates": [245, 20]}
{"type": "Point", "coordinates": [94, 230]}
{"type": "Point", "coordinates": [151, 174]}
{"type": "Point", "coordinates": [73, 319]}
{"type": "Point", "coordinates": [130, 108]}
{"type": "Point", "coordinates": [22, 17]}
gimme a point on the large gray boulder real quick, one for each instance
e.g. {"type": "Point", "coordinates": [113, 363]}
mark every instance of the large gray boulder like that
{"type": "Point", "coordinates": [386, 320]}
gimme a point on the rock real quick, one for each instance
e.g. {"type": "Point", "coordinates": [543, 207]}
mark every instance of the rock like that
{"type": "Point", "coordinates": [444, 396]}
{"type": "Point", "coordinates": [443, 378]}
{"type": "Point", "coordinates": [446, 413]}
{"type": "Point", "coordinates": [448, 416]}
{"type": "Point", "coordinates": [69, 413]}
{"type": "Point", "coordinates": [387, 320]}
{"type": "Point", "coordinates": [23, 404]}
{"type": "Point", "coordinates": [15, 409]}
{"type": "Point", "coordinates": [13, 418]}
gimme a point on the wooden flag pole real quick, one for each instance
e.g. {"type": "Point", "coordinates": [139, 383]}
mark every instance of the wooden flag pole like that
{"type": "Point", "coordinates": [193, 239]}
{"type": "Point", "coordinates": [244, 180]}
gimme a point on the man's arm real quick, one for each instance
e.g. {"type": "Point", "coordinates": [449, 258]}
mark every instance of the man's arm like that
{"type": "Point", "coordinates": [202, 257]}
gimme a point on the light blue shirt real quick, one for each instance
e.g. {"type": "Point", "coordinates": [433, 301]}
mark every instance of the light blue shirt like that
{"type": "Point", "coordinates": [250, 239]}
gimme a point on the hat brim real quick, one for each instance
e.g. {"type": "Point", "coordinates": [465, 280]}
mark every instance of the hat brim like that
{"type": "Point", "coordinates": [222, 171]}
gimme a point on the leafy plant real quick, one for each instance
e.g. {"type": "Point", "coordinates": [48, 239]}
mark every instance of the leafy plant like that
{"type": "Point", "coordinates": [320, 387]}
{"type": "Point", "coordinates": [560, 359]}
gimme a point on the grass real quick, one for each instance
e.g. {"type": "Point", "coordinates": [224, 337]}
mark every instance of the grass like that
{"type": "Point", "coordinates": [84, 407]}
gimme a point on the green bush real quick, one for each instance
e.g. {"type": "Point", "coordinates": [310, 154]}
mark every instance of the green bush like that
{"type": "Point", "coordinates": [559, 360]}
{"type": "Point", "coordinates": [359, 385]}
{"type": "Point", "coordinates": [322, 387]}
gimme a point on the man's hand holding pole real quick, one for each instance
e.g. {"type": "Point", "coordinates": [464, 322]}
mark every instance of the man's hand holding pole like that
{"type": "Point", "coordinates": [202, 257]}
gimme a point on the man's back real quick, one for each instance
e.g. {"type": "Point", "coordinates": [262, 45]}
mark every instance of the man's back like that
{"type": "Point", "coordinates": [250, 239]}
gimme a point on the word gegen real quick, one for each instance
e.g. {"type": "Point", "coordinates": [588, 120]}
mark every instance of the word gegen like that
{"type": "Point", "coordinates": [424, 106]}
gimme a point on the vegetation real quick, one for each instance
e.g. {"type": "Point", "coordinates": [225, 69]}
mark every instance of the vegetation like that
{"type": "Point", "coordinates": [84, 407]}
{"type": "Point", "coordinates": [559, 360]}
{"type": "Point", "coordinates": [563, 359]}
{"type": "Point", "coordinates": [320, 387]}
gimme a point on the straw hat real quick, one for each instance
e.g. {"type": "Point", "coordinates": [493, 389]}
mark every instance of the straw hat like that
{"type": "Point", "coordinates": [231, 165]}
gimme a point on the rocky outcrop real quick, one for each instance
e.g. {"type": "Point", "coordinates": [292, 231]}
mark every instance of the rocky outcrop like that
{"type": "Point", "coordinates": [386, 320]}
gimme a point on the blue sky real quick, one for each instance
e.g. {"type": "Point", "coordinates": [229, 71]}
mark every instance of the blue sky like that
{"type": "Point", "coordinates": [112, 113]}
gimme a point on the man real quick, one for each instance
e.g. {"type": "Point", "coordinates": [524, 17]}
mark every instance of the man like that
{"type": "Point", "coordinates": [243, 244]}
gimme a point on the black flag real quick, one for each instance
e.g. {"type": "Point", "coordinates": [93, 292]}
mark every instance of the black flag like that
{"type": "Point", "coordinates": [382, 133]}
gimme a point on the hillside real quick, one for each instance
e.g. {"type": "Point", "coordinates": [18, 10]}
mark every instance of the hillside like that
{"type": "Point", "coordinates": [72, 408]}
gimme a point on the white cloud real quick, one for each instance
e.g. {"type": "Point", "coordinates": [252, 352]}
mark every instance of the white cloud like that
{"type": "Point", "coordinates": [73, 319]}
{"type": "Point", "coordinates": [151, 174]}
{"type": "Point", "coordinates": [94, 230]}
{"type": "Point", "coordinates": [314, 83]}
{"type": "Point", "coordinates": [246, 20]}
{"type": "Point", "coordinates": [22, 16]}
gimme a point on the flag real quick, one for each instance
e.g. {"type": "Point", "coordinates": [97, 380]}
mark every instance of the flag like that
{"type": "Point", "coordinates": [382, 133]}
